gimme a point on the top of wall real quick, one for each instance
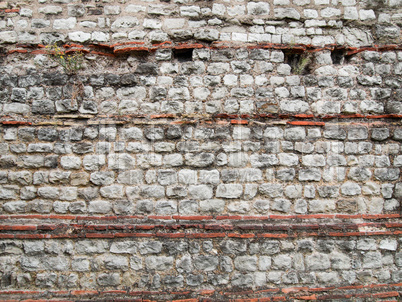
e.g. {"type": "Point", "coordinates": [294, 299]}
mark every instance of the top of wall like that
{"type": "Point", "coordinates": [316, 22]}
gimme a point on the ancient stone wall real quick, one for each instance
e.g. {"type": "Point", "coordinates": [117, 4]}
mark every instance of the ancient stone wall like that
{"type": "Point", "coordinates": [202, 150]}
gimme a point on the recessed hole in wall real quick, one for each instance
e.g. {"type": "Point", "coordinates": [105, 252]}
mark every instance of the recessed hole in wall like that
{"type": "Point", "coordinates": [337, 56]}
{"type": "Point", "coordinates": [348, 58]}
{"type": "Point", "coordinates": [292, 59]}
{"type": "Point", "coordinates": [183, 55]}
{"type": "Point", "coordinates": [299, 62]}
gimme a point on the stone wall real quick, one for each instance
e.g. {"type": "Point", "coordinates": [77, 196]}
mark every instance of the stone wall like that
{"type": "Point", "coordinates": [205, 151]}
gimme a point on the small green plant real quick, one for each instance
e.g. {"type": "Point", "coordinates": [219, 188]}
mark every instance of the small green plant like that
{"type": "Point", "coordinates": [304, 61]}
{"type": "Point", "coordinates": [71, 63]}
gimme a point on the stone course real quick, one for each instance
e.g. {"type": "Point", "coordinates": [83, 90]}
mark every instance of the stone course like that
{"type": "Point", "coordinates": [305, 22]}
{"type": "Point", "coordinates": [115, 264]}
{"type": "Point", "coordinates": [364, 174]}
{"type": "Point", "coordinates": [208, 87]}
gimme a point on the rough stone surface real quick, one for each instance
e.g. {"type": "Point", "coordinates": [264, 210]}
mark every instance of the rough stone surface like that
{"type": "Point", "coordinates": [224, 150]}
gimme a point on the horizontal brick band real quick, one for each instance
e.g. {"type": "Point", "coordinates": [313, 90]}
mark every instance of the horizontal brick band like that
{"type": "Point", "coordinates": [195, 235]}
{"type": "Point", "coordinates": [202, 218]}
{"type": "Point", "coordinates": [127, 47]}
{"type": "Point", "coordinates": [235, 119]}
{"type": "Point", "coordinates": [377, 291]}
{"type": "Point", "coordinates": [215, 230]}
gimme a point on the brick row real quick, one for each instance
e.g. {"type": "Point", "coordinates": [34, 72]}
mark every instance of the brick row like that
{"type": "Point", "coordinates": [119, 48]}
{"type": "Point", "coordinates": [208, 217]}
{"type": "Point", "coordinates": [301, 293]}
{"type": "Point", "coordinates": [215, 226]}
{"type": "Point", "coordinates": [198, 235]}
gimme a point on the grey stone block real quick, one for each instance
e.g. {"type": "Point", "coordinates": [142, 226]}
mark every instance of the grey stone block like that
{"type": "Point", "coordinates": [335, 133]}
{"type": "Point", "coordinates": [200, 192]}
{"type": "Point", "coordinates": [150, 247]}
{"type": "Point", "coordinates": [372, 260]}
{"type": "Point", "coordinates": [270, 247]}
{"type": "Point", "coordinates": [229, 191]}
{"type": "Point", "coordinates": [207, 34]}
{"type": "Point", "coordinates": [271, 190]}
{"type": "Point", "coordinates": [199, 160]}
{"type": "Point", "coordinates": [99, 206]}
{"type": "Point", "coordinates": [246, 263]}
{"type": "Point", "coordinates": [310, 174]}
{"type": "Point", "coordinates": [131, 177]}
{"type": "Point", "coordinates": [212, 205]}
{"type": "Point", "coordinates": [109, 279]}
{"type": "Point", "coordinates": [233, 247]}
{"type": "Point", "coordinates": [206, 263]}
{"type": "Point", "coordinates": [166, 207]}
{"type": "Point", "coordinates": [263, 160]}
{"type": "Point", "coordinates": [173, 281]}
{"type": "Point", "coordinates": [317, 261]}
{"type": "Point", "coordinates": [44, 107]}
{"type": "Point", "coordinates": [46, 280]}
{"type": "Point", "coordinates": [294, 134]}
{"type": "Point", "coordinates": [80, 264]}
{"type": "Point", "coordinates": [102, 178]}
{"type": "Point", "coordinates": [91, 246]}
{"type": "Point", "coordinates": [386, 174]}
{"type": "Point", "coordinates": [159, 263]}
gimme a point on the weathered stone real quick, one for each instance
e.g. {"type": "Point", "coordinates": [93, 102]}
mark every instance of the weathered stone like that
{"type": "Point", "coordinates": [111, 279]}
{"type": "Point", "coordinates": [207, 34]}
{"type": "Point", "coordinates": [200, 192]}
{"type": "Point", "coordinates": [159, 263]}
{"type": "Point", "coordinates": [199, 160]}
{"type": "Point", "coordinates": [206, 263]}
{"type": "Point", "coordinates": [98, 206]}
{"type": "Point", "coordinates": [317, 261]}
{"type": "Point", "coordinates": [258, 8]}
{"type": "Point", "coordinates": [246, 263]}
{"type": "Point", "coordinates": [229, 191]}
{"type": "Point", "coordinates": [212, 206]}
{"type": "Point", "coordinates": [309, 175]}
{"type": "Point", "coordinates": [121, 161]}
{"type": "Point", "coordinates": [263, 160]}
{"type": "Point", "coordinates": [166, 207]}
{"type": "Point", "coordinates": [207, 133]}
{"type": "Point", "coordinates": [286, 13]}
